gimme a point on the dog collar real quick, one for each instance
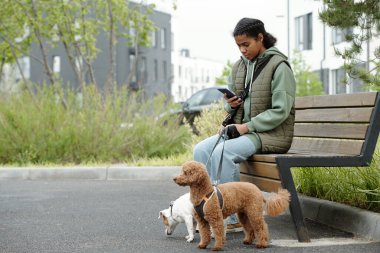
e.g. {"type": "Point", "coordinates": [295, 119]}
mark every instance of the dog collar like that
{"type": "Point", "coordinates": [171, 208]}
{"type": "Point", "coordinates": [199, 208]}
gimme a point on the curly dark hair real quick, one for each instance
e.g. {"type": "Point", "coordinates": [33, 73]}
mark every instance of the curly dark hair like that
{"type": "Point", "coordinates": [252, 27]}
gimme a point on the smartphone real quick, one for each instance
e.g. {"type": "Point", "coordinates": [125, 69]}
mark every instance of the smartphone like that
{"type": "Point", "coordinates": [229, 93]}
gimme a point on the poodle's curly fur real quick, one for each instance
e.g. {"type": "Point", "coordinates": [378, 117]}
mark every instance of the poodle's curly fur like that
{"type": "Point", "coordinates": [242, 198]}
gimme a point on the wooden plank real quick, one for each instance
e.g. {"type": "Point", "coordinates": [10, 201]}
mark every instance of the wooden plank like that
{"type": "Point", "coordinates": [270, 158]}
{"type": "Point", "coordinates": [264, 184]}
{"type": "Point", "coordinates": [329, 130]}
{"type": "Point", "coordinates": [341, 100]}
{"type": "Point", "coordinates": [352, 115]}
{"type": "Point", "coordinates": [319, 145]}
{"type": "Point", "coordinates": [269, 170]}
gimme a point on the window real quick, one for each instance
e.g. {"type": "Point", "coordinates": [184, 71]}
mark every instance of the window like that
{"type": "Point", "coordinates": [132, 37]}
{"type": "Point", "coordinates": [172, 42]}
{"type": "Point", "coordinates": [132, 58]}
{"type": "Point", "coordinates": [56, 64]}
{"type": "Point", "coordinates": [154, 38]}
{"type": "Point", "coordinates": [163, 38]}
{"type": "Point", "coordinates": [164, 70]}
{"type": "Point", "coordinates": [338, 81]}
{"type": "Point", "coordinates": [155, 70]}
{"type": "Point", "coordinates": [339, 35]}
{"type": "Point", "coordinates": [143, 73]}
{"type": "Point", "coordinates": [24, 67]}
{"type": "Point", "coordinates": [304, 32]}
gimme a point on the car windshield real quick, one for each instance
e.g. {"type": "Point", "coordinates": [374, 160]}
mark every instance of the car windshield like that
{"type": "Point", "coordinates": [204, 97]}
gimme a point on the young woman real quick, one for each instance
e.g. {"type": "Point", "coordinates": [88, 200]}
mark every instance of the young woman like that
{"type": "Point", "coordinates": [263, 108]}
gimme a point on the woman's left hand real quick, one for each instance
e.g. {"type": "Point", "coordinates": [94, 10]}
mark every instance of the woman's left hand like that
{"type": "Point", "coordinates": [242, 128]}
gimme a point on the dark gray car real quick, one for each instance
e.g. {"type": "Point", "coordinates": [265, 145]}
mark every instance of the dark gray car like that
{"type": "Point", "coordinates": [199, 101]}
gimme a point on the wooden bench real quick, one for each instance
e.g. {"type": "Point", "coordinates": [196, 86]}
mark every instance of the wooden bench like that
{"type": "Point", "coordinates": [330, 131]}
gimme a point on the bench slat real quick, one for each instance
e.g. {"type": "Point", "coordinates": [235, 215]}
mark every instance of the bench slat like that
{"type": "Point", "coordinates": [269, 170]}
{"type": "Point", "coordinates": [328, 130]}
{"type": "Point", "coordinates": [270, 158]}
{"type": "Point", "coordinates": [264, 184]}
{"type": "Point", "coordinates": [336, 146]}
{"type": "Point", "coordinates": [343, 100]}
{"type": "Point", "coordinates": [350, 115]}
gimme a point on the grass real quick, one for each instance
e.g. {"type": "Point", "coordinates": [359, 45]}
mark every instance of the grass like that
{"type": "Point", "coordinates": [123, 128]}
{"type": "Point", "coordinates": [93, 128]}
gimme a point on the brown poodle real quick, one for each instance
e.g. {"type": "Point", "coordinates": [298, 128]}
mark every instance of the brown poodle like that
{"type": "Point", "coordinates": [242, 198]}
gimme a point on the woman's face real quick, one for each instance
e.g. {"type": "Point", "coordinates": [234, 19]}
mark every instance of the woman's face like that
{"type": "Point", "coordinates": [250, 47]}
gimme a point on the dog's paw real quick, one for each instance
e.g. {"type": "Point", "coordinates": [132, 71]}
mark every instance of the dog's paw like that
{"type": "Point", "coordinates": [261, 246]}
{"type": "Point", "coordinates": [216, 249]}
{"type": "Point", "coordinates": [247, 242]}
{"type": "Point", "coordinates": [202, 246]}
{"type": "Point", "coordinates": [189, 238]}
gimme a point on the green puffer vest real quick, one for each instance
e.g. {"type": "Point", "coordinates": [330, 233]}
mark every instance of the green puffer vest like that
{"type": "Point", "coordinates": [279, 139]}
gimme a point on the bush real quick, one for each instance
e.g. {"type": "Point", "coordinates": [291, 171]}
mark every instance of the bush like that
{"type": "Point", "coordinates": [357, 186]}
{"type": "Point", "coordinates": [58, 126]}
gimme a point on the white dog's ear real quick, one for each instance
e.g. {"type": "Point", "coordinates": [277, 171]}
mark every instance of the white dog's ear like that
{"type": "Point", "coordinates": [160, 215]}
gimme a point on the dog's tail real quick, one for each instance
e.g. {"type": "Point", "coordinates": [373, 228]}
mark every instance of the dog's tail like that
{"type": "Point", "coordinates": [277, 203]}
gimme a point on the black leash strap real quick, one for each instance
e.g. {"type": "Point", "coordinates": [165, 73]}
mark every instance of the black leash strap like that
{"type": "Point", "coordinates": [223, 134]}
{"type": "Point", "coordinates": [244, 94]}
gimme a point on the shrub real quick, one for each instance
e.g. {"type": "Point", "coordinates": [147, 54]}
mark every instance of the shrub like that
{"type": "Point", "coordinates": [42, 128]}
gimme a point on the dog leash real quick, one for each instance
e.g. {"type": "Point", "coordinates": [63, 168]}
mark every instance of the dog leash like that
{"type": "Point", "coordinates": [222, 134]}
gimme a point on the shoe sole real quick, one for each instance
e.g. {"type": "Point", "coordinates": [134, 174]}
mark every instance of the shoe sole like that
{"type": "Point", "coordinates": [234, 230]}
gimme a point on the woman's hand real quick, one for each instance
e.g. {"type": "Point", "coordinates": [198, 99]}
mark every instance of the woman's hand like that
{"type": "Point", "coordinates": [234, 101]}
{"type": "Point", "coordinates": [242, 128]}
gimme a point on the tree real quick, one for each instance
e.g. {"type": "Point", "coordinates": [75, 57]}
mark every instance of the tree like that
{"type": "Point", "coordinates": [75, 24]}
{"type": "Point", "coordinates": [364, 17]}
{"type": "Point", "coordinates": [223, 78]}
{"type": "Point", "coordinates": [307, 82]}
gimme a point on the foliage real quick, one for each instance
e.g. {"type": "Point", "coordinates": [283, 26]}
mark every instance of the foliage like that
{"type": "Point", "coordinates": [307, 82]}
{"type": "Point", "coordinates": [209, 122]}
{"type": "Point", "coordinates": [364, 17]}
{"type": "Point", "coordinates": [92, 128]}
{"type": "Point", "coordinates": [223, 79]}
{"type": "Point", "coordinates": [358, 186]}
{"type": "Point", "coordinates": [76, 25]}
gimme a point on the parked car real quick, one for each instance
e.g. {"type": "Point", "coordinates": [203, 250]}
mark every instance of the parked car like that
{"type": "Point", "coordinates": [199, 101]}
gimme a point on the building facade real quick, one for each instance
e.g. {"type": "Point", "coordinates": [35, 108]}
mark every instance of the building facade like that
{"type": "Point", "coordinates": [317, 43]}
{"type": "Point", "coordinates": [192, 74]}
{"type": "Point", "coordinates": [152, 74]}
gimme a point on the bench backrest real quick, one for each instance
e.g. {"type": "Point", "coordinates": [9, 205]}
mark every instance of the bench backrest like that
{"type": "Point", "coordinates": [346, 124]}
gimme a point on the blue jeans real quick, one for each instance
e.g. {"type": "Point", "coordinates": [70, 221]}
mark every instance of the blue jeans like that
{"type": "Point", "coordinates": [235, 151]}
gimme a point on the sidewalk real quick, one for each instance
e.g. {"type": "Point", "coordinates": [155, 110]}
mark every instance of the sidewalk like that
{"type": "Point", "coordinates": [361, 223]}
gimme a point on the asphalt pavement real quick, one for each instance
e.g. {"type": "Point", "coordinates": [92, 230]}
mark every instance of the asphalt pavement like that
{"type": "Point", "coordinates": [69, 215]}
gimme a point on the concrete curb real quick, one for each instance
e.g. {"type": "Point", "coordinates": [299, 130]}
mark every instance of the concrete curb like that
{"type": "Point", "coordinates": [113, 172]}
{"type": "Point", "coordinates": [360, 222]}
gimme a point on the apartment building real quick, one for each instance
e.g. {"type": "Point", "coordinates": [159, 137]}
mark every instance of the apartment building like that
{"type": "Point", "coordinates": [191, 74]}
{"type": "Point", "coordinates": [317, 42]}
{"type": "Point", "coordinates": [152, 74]}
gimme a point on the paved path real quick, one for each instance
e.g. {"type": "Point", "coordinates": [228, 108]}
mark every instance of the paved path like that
{"type": "Point", "coordinates": [121, 216]}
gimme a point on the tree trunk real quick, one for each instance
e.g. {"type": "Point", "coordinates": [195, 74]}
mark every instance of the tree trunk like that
{"type": "Point", "coordinates": [110, 82]}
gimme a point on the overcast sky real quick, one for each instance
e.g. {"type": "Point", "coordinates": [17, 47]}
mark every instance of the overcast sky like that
{"type": "Point", "coordinates": [205, 26]}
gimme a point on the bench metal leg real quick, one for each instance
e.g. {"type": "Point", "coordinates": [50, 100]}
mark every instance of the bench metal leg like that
{"type": "Point", "coordinates": [295, 207]}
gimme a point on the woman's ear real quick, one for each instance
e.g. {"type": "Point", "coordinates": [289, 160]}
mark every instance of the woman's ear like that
{"type": "Point", "coordinates": [260, 37]}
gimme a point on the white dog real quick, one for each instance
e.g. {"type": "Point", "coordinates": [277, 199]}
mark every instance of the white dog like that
{"type": "Point", "coordinates": [179, 211]}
